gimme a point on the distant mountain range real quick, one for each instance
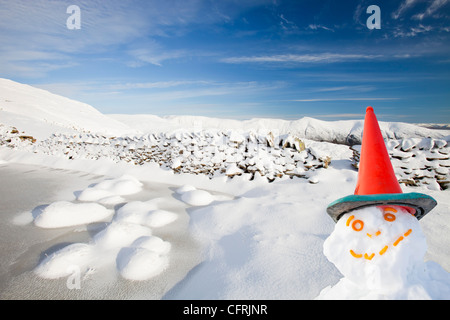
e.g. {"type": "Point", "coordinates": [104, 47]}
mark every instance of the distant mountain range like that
{"type": "Point", "coordinates": [40, 113]}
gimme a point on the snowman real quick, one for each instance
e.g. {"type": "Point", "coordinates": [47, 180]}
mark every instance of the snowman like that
{"type": "Point", "coordinates": [378, 244]}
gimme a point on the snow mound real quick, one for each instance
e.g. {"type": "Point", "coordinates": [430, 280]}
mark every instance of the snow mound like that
{"type": "Point", "coordinates": [140, 263]}
{"type": "Point", "coordinates": [120, 234]}
{"type": "Point", "coordinates": [65, 214]}
{"type": "Point", "coordinates": [111, 188]}
{"type": "Point", "coordinates": [159, 218]}
{"type": "Point", "coordinates": [61, 263]}
{"type": "Point", "coordinates": [197, 197]}
{"type": "Point", "coordinates": [153, 243]}
{"type": "Point", "coordinates": [144, 213]}
{"type": "Point", "coordinates": [185, 188]}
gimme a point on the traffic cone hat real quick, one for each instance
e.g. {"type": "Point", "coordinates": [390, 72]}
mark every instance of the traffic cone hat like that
{"type": "Point", "coordinates": [377, 184]}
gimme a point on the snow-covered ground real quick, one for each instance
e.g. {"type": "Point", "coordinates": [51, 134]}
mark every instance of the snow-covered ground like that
{"type": "Point", "coordinates": [249, 195]}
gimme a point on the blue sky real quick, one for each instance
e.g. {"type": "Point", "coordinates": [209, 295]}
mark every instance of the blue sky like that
{"type": "Point", "coordinates": [236, 58]}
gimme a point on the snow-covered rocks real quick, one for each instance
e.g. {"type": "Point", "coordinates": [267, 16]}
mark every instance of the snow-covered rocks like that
{"type": "Point", "coordinates": [417, 161]}
{"type": "Point", "coordinates": [208, 152]}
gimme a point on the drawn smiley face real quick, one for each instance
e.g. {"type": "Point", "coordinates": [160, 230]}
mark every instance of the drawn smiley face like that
{"type": "Point", "coordinates": [389, 215]}
{"type": "Point", "coordinates": [376, 246]}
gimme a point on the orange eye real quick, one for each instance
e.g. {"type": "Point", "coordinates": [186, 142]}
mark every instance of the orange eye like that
{"type": "Point", "coordinates": [357, 225]}
{"type": "Point", "coordinates": [389, 217]}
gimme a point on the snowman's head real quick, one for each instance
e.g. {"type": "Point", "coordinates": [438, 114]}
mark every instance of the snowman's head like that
{"type": "Point", "coordinates": [376, 246]}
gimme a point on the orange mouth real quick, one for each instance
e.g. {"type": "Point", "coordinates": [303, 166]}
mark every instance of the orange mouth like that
{"type": "Point", "coordinates": [382, 251]}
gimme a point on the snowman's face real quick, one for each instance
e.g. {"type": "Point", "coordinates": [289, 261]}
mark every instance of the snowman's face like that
{"type": "Point", "coordinates": [384, 240]}
{"type": "Point", "coordinates": [375, 229]}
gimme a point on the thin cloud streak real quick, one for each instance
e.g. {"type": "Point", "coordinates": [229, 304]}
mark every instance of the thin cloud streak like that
{"type": "Point", "coordinates": [343, 99]}
{"type": "Point", "coordinates": [301, 58]}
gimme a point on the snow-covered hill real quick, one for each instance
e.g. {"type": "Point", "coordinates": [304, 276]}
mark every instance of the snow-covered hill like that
{"type": "Point", "coordinates": [40, 113]}
{"type": "Point", "coordinates": [342, 132]}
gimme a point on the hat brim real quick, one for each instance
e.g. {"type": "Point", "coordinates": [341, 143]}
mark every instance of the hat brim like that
{"type": "Point", "coordinates": [421, 203]}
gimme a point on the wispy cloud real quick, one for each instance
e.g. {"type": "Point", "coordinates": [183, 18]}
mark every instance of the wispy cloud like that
{"type": "Point", "coordinates": [412, 31]}
{"type": "Point", "coordinates": [37, 29]}
{"type": "Point", "coordinates": [34, 34]}
{"type": "Point", "coordinates": [159, 92]}
{"type": "Point", "coordinates": [158, 84]}
{"type": "Point", "coordinates": [152, 55]}
{"type": "Point", "coordinates": [339, 115]}
{"type": "Point", "coordinates": [301, 58]}
{"type": "Point", "coordinates": [318, 27]}
{"type": "Point", "coordinates": [403, 7]}
{"type": "Point", "coordinates": [287, 25]}
{"type": "Point", "coordinates": [359, 88]}
{"type": "Point", "coordinates": [344, 99]}
{"type": "Point", "coordinates": [431, 9]}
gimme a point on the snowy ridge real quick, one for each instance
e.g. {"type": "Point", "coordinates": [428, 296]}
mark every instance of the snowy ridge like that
{"type": "Point", "coordinates": [41, 113]}
{"type": "Point", "coordinates": [343, 132]}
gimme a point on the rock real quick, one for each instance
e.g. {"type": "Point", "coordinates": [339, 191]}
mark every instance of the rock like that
{"type": "Point", "coordinates": [28, 138]}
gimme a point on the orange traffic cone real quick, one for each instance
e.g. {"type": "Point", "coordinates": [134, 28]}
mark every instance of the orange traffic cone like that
{"type": "Point", "coordinates": [377, 184]}
{"type": "Point", "coordinates": [376, 174]}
